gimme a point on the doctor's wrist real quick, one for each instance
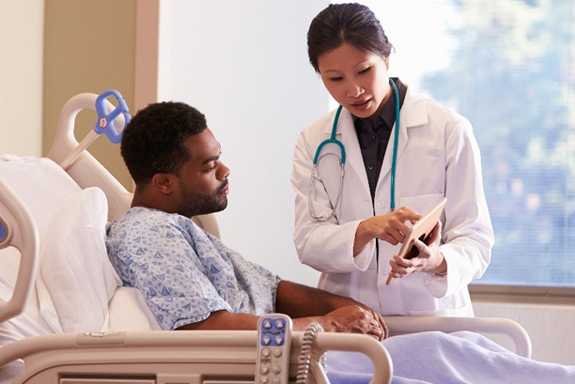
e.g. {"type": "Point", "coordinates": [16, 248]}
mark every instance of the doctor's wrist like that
{"type": "Point", "coordinates": [363, 235]}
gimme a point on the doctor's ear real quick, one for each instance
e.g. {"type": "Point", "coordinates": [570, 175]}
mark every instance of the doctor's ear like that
{"type": "Point", "coordinates": [163, 182]}
{"type": "Point", "coordinates": [386, 61]}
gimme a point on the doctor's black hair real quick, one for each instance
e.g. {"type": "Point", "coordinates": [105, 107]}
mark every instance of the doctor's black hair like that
{"type": "Point", "coordinates": [350, 23]}
{"type": "Point", "coordinates": [153, 141]}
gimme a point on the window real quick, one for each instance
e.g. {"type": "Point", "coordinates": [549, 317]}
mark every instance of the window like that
{"type": "Point", "coordinates": [509, 67]}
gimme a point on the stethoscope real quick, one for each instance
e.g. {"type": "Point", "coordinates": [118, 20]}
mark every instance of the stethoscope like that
{"type": "Point", "coordinates": [316, 178]}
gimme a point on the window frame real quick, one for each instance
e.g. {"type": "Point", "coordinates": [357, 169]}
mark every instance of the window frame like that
{"type": "Point", "coordinates": [523, 293]}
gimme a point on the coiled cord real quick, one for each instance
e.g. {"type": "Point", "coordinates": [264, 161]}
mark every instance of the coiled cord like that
{"type": "Point", "coordinates": [305, 356]}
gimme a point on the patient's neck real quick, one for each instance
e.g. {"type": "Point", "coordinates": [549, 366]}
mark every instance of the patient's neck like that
{"type": "Point", "coordinates": [149, 200]}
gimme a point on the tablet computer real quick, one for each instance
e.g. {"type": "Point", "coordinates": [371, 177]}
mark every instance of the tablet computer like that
{"type": "Point", "coordinates": [421, 230]}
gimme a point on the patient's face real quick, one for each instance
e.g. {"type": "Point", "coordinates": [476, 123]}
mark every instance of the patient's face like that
{"type": "Point", "coordinates": [203, 179]}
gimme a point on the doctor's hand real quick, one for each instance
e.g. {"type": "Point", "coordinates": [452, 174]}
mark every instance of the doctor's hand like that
{"type": "Point", "coordinates": [429, 258]}
{"type": "Point", "coordinates": [355, 319]}
{"type": "Point", "coordinates": [391, 227]}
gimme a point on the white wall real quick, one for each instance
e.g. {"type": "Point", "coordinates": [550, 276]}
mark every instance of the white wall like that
{"type": "Point", "coordinates": [21, 39]}
{"type": "Point", "coordinates": [549, 326]}
{"type": "Point", "coordinates": [244, 64]}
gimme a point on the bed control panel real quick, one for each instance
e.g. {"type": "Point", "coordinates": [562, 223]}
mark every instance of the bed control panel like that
{"type": "Point", "coordinates": [273, 353]}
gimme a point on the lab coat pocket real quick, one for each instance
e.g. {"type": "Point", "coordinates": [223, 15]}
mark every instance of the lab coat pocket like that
{"type": "Point", "coordinates": [421, 204]}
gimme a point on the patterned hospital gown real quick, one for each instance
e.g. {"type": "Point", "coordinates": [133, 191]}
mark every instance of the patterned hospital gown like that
{"type": "Point", "coordinates": [184, 273]}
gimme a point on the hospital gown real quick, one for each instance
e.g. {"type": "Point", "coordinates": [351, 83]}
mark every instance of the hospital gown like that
{"type": "Point", "coordinates": [184, 273]}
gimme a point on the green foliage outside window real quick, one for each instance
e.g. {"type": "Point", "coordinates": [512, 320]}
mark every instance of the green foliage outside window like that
{"type": "Point", "coordinates": [512, 74]}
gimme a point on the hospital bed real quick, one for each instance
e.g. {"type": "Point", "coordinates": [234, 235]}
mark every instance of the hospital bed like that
{"type": "Point", "coordinates": [120, 342]}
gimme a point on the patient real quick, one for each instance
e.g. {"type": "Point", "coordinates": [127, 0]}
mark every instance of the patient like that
{"type": "Point", "coordinates": [190, 279]}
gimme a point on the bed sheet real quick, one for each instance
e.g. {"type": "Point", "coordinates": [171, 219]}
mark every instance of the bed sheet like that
{"type": "Point", "coordinates": [129, 312]}
{"type": "Point", "coordinates": [29, 323]}
{"type": "Point", "coordinates": [440, 358]}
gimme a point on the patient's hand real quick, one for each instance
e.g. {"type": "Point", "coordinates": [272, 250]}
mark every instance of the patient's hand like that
{"type": "Point", "coordinates": [355, 319]}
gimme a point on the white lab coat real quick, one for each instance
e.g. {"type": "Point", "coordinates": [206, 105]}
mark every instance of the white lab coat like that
{"type": "Point", "coordinates": [437, 156]}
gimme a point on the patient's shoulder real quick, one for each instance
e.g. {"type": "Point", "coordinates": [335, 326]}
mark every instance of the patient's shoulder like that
{"type": "Point", "coordinates": [142, 233]}
{"type": "Point", "coordinates": [145, 219]}
{"type": "Point", "coordinates": [141, 222]}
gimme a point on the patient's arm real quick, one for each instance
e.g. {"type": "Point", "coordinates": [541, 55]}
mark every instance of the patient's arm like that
{"type": "Point", "coordinates": [353, 319]}
{"type": "Point", "coordinates": [305, 305]}
{"type": "Point", "coordinates": [239, 321]}
{"type": "Point", "coordinates": [335, 313]}
{"type": "Point", "coordinates": [298, 300]}
{"type": "Point", "coordinates": [301, 303]}
{"type": "Point", "coordinates": [225, 320]}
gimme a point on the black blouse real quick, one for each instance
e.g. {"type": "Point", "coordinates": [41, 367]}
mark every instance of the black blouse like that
{"type": "Point", "coordinates": [373, 135]}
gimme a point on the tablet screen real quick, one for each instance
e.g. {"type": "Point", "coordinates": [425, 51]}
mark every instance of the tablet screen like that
{"type": "Point", "coordinates": [413, 251]}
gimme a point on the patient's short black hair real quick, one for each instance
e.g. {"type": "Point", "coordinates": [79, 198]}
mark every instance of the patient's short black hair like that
{"type": "Point", "coordinates": [153, 141]}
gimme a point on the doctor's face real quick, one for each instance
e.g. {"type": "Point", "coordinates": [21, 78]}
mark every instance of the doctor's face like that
{"type": "Point", "coordinates": [355, 78]}
{"type": "Point", "coordinates": [203, 178]}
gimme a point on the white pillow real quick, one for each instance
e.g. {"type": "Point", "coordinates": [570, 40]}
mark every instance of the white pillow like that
{"type": "Point", "coordinates": [42, 186]}
{"type": "Point", "coordinates": [74, 263]}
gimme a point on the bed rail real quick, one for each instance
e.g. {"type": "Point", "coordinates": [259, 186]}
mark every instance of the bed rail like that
{"type": "Point", "coordinates": [78, 162]}
{"type": "Point", "coordinates": [409, 324]}
{"type": "Point", "coordinates": [177, 347]}
{"type": "Point", "coordinates": [13, 215]}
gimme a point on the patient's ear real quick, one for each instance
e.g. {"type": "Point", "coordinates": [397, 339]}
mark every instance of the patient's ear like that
{"type": "Point", "coordinates": [164, 183]}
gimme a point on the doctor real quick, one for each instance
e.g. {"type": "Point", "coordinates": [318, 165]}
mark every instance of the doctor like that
{"type": "Point", "coordinates": [363, 172]}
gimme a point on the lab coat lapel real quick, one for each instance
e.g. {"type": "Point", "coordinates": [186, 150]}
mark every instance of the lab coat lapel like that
{"type": "Point", "coordinates": [413, 113]}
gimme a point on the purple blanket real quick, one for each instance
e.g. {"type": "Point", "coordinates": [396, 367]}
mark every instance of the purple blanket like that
{"type": "Point", "coordinates": [440, 358]}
